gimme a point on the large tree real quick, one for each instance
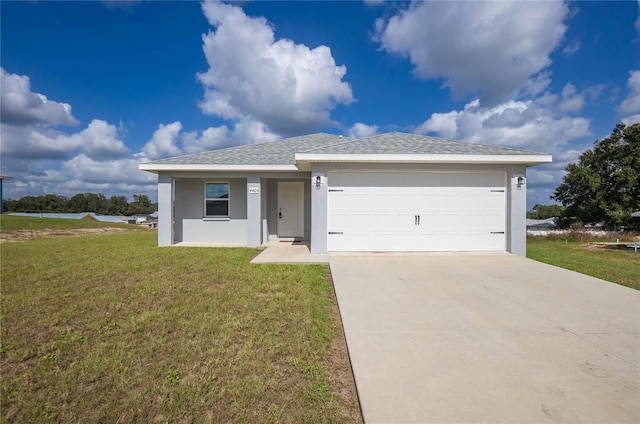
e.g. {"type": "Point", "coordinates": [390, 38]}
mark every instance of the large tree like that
{"type": "Point", "coordinates": [604, 186]}
{"type": "Point", "coordinates": [141, 205]}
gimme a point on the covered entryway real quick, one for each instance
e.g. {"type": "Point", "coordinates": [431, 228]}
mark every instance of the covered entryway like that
{"type": "Point", "coordinates": [416, 211]}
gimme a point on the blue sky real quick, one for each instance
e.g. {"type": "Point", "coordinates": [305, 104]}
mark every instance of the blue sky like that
{"type": "Point", "coordinates": [91, 89]}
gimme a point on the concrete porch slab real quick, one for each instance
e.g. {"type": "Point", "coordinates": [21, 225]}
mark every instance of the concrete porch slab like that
{"type": "Point", "coordinates": [207, 244]}
{"type": "Point", "coordinates": [288, 252]}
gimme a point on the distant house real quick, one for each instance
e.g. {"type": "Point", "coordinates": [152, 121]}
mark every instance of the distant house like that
{"type": "Point", "coordinates": [142, 218]}
{"type": "Point", "coordinates": [541, 226]}
{"type": "Point", "coordinates": [388, 192]}
{"type": "Point", "coordinates": [109, 218]}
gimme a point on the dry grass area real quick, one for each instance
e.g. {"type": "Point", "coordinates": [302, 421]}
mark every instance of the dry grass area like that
{"type": "Point", "coordinates": [20, 228]}
{"type": "Point", "coordinates": [112, 328]}
{"type": "Point", "coordinates": [25, 235]}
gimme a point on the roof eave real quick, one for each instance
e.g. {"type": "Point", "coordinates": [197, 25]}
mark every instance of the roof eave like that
{"type": "Point", "coordinates": [528, 160]}
{"type": "Point", "coordinates": [159, 167]}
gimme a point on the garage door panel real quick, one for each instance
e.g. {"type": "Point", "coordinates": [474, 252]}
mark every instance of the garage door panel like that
{"type": "Point", "coordinates": [417, 211]}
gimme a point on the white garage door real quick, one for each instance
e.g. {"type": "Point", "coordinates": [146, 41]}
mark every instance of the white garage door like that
{"type": "Point", "coordinates": [419, 211]}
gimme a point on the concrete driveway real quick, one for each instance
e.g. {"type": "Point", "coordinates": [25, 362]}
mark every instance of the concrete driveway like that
{"type": "Point", "coordinates": [439, 338]}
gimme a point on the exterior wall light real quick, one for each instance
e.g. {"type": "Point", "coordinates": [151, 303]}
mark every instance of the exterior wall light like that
{"type": "Point", "coordinates": [318, 182]}
{"type": "Point", "coordinates": [520, 182]}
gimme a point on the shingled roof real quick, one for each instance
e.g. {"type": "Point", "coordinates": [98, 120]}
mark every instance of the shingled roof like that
{"type": "Point", "coordinates": [279, 152]}
{"type": "Point", "coordinates": [283, 152]}
{"type": "Point", "coordinates": [397, 143]}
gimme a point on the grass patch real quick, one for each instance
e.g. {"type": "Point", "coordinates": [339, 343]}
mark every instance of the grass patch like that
{"type": "Point", "coordinates": [615, 265]}
{"type": "Point", "coordinates": [115, 329]}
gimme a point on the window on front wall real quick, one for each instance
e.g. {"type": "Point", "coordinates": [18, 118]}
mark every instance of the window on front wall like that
{"type": "Point", "coordinates": [216, 199]}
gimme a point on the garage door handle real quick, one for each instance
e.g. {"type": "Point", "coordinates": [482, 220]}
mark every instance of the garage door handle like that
{"type": "Point", "coordinates": [335, 190]}
{"type": "Point", "coordinates": [336, 232]}
{"type": "Point", "coordinates": [416, 219]}
{"type": "Point", "coordinates": [497, 232]}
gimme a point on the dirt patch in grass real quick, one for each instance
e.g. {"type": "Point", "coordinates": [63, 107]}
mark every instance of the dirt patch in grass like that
{"type": "Point", "coordinates": [25, 235]}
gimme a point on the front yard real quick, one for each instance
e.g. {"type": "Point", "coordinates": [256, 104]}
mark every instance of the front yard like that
{"type": "Point", "coordinates": [621, 266]}
{"type": "Point", "coordinates": [110, 328]}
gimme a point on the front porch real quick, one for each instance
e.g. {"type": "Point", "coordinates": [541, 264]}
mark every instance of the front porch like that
{"type": "Point", "coordinates": [251, 210]}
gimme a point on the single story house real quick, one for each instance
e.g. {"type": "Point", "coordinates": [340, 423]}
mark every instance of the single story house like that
{"type": "Point", "coordinates": [387, 192]}
{"type": "Point", "coordinates": [541, 226]}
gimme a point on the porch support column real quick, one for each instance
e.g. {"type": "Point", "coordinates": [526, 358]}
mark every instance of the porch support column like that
{"type": "Point", "coordinates": [517, 215]}
{"type": "Point", "coordinates": [319, 208]}
{"type": "Point", "coordinates": [165, 210]}
{"type": "Point", "coordinates": [254, 211]}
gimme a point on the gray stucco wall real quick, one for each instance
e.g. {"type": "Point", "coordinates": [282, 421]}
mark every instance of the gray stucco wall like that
{"type": "Point", "coordinates": [516, 212]}
{"type": "Point", "coordinates": [165, 210]}
{"type": "Point", "coordinates": [190, 223]}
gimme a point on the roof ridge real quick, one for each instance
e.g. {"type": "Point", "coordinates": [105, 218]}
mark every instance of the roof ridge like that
{"type": "Point", "coordinates": [345, 140]}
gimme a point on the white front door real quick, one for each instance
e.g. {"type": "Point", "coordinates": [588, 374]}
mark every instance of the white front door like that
{"type": "Point", "coordinates": [291, 209]}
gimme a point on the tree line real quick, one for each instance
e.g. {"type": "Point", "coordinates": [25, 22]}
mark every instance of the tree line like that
{"type": "Point", "coordinates": [83, 202]}
{"type": "Point", "coordinates": [603, 186]}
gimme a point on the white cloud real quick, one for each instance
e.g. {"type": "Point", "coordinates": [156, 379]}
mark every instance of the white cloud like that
{"type": "Point", "coordinates": [210, 139]}
{"type": "Point", "coordinates": [252, 77]}
{"type": "Point", "coordinates": [21, 106]}
{"type": "Point", "coordinates": [120, 171]}
{"type": "Point", "coordinates": [99, 141]}
{"type": "Point", "coordinates": [519, 124]}
{"type": "Point", "coordinates": [571, 48]}
{"type": "Point", "coordinates": [539, 125]}
{"type": "Point", "coordinates": [630, 107]}
{"type": "Point", "coordinates": [44, 159]}
{"type": "Point", "coordinates": [490, 48]}
{"type": "Point", "coordinates": [164, 142]}
{"type": "Point", "coordinates": [360, 130]}
{"type": "Point", "coordinates": [631, 119]}
{"type": "Point", "coordinates": [169, 140]}
{"type": "Point", "coordinates": [571, 102]}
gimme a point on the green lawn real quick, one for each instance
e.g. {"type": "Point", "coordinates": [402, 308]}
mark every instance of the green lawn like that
{"type": "Point", "coordinates": [112, 328]}
{"type": "Point", "coordinates": [618, 266]}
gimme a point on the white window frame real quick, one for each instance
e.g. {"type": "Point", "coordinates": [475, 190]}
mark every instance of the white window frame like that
{"type": "Point", "coordinates": [228, 199]}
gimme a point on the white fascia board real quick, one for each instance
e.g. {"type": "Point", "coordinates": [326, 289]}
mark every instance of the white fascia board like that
{"type": "Point", "coordinates": [406, 158]}
{"type": "Point", "coordinates": [157, 167]}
